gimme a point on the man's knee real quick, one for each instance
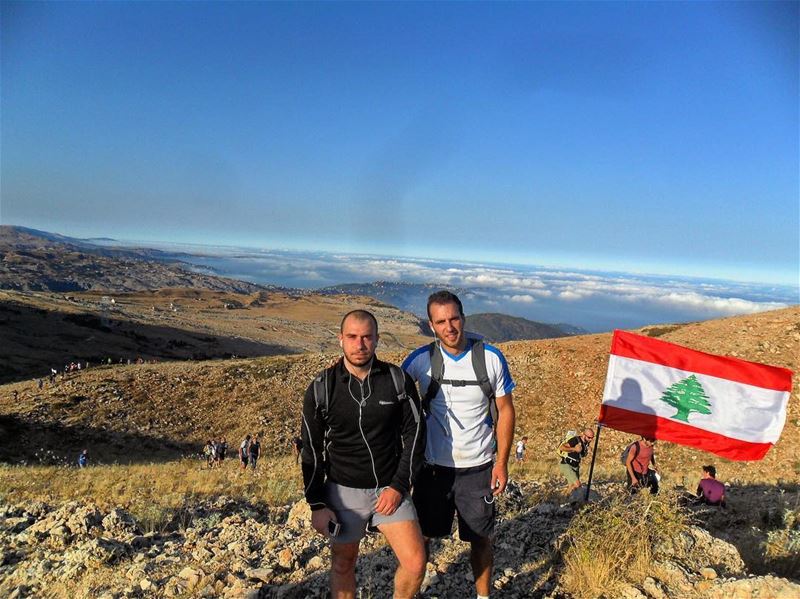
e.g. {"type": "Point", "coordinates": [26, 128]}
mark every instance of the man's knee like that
{"type": "Point", "coordinates": [414, 563]}
{"type": "Point", "coordinates": [343, 558]}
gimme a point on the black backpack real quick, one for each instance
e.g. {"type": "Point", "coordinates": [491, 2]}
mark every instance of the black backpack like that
{"type": "Point", "coordinates": [437, 372]}
{"type": "Point", "coordinates": [321, 388]}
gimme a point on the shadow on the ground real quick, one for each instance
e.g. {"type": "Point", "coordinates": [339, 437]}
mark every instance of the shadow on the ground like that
{"type": "Point", "coordinates": [759, 521]}
{"type": "Point", "coordinates": [35, 340]}
{"type": "Point", "coordinates": [55, 444]}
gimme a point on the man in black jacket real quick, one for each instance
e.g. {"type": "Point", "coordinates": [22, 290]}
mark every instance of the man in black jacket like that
{"type": "Point", "coordinates": [363, 443]}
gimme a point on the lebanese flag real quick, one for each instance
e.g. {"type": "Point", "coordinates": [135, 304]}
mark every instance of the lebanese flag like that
{"type": "Point", "coordinates": [730, 407]}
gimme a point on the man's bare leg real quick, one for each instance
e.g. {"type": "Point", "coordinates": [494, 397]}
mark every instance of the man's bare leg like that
{"type": "Point", "coordinates": [343, 570]}
{"type": "Point", "coordinates": [406, 541]}
{"type": "Point", "coordinates": [480, 557]}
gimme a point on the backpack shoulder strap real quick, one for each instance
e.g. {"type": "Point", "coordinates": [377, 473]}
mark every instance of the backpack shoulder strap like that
{"type": "Point", "coordinates": [437, 374]}
{"type": "Point", "coordinates": [479, 366]}
{"type": "Point", "coordinates": [321, 393]}
{"type": "Point", "coordinates": [399, 379]}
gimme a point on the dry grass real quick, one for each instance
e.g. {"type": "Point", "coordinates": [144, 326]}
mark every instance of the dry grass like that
{"type": "Point", "coordinates": [152, 492]}
{"type": "Point", "coordinates": [610, 543]}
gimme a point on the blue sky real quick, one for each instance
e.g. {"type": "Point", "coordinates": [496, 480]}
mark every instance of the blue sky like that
{"type": "Point", "coordinates": [644, 137]}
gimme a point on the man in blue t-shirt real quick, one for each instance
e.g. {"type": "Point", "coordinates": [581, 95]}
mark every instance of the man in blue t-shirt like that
{"type": "Point", "coordinates": [469, 435]}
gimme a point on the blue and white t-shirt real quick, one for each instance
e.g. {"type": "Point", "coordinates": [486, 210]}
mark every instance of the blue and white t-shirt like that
{"type": "Point", "coordinates": [460, 425]}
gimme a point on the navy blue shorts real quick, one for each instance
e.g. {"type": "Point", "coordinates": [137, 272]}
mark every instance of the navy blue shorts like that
{"type": "Point", "coordinates": [440, 492]}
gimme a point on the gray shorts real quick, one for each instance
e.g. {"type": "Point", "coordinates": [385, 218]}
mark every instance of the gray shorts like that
{"type": "Point", "coordinates": [355, 511]}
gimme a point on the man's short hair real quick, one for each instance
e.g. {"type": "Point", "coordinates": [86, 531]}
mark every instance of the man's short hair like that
{"type": "Point", "coordinates": [711, 470]}
{"type": "Point", "coordinates": [444, 297]}
{"type": "Point", "coordinates": [360, 315]}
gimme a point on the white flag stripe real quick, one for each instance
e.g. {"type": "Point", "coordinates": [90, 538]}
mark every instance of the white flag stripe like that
{"type": "Point", "coordinates": [739, 411]}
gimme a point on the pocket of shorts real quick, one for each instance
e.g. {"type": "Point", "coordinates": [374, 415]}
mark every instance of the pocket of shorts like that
{"type": "Point", "coordinates": [482, 495]}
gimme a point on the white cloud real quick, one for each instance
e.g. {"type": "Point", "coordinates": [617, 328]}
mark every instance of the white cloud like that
{"type": "Point", "coordinates": [715, 305]}
{"type": "Point", "coordinates": [523, 286]}
{"type": "Point", "coordinates": [570, 295]}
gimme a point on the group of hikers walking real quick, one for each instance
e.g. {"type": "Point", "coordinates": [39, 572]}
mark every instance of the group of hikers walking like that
{"type": "Point", "coordinates": [249, 452]}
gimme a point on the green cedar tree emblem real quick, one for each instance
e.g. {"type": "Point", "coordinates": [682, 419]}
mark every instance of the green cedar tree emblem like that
{"type": "Point", "coordinates": [687, 396]}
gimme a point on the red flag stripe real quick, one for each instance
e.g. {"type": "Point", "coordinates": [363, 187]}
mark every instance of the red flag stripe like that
{"type": "Point", "coordinates": [667, 429]}
{"type": "Point", "coordinates": [655, 351]}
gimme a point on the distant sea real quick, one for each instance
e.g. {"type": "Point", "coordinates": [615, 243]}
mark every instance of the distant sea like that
{"type": "Point", "coordinates": [594, 300]}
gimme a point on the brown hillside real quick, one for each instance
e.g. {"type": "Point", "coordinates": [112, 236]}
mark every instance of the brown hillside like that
{"type": "Point", "coordinates": [37, 261]}
{"type": "Point", "coordinates": [142, 412]}
{"type": "Point", "coordinates": [46, 330]}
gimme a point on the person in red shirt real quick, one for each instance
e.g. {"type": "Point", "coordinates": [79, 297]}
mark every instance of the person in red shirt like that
{"type": "Point", "coordinates": [640, 466]}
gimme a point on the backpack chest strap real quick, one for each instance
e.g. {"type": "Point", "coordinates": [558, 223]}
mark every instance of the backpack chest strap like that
{"type": "Point", "coordinates": [459, 383]}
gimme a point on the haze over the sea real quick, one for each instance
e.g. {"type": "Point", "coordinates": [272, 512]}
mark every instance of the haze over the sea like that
{"type": "Point", "coordinates": [593, 300]}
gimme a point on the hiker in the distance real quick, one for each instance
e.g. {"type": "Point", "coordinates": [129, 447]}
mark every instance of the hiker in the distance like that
{"type": "Point", "coordinates": [208, 453]}
{"type": "Point", "coordinates": [297, 448]}
{"type": "Point", "coordinates": [244, 451]}
{"type": "Point", "coordinates": [254, 451]}
{"type": "Point", "coordinates": [519, 452]}
{"type": "Point", "coordinates": [222, 450]}
{"type": "Point", "coordinates": [640, 465]}
{"type": "Point", "coordinates": [83, 459]}
{"type": "Point", "coordinates": [572, 451]}
{"type": "Point", "coordinates": [467, 395]}
{"type": "Point", "coordinates": [363, 442]}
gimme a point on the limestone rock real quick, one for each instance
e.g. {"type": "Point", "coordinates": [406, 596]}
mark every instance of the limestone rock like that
{"type": "Point", "coordinates": [118, 522]}
{"type": "Point", "coordinates": [299, 516]}
{"type": "Point", "coordinates": [262, 574]}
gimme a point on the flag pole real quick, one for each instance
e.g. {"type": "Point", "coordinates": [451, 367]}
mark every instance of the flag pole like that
{"type": "Point", "coordinates": [594, 455]}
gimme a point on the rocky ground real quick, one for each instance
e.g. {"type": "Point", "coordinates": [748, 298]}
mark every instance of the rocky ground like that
{"type": "Point", "coordinates": [230, 548]}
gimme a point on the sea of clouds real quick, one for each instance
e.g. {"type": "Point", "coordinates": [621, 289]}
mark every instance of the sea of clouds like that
{"type": "Point", "coordinates": [595, 301]}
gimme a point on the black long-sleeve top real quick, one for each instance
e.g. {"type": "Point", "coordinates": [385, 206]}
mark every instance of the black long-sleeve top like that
{"type": "Point", "coordinates": [366, 438]}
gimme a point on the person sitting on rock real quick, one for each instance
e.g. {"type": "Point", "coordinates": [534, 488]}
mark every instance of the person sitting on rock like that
{"type": "Point", "coordinates": [710, 491]}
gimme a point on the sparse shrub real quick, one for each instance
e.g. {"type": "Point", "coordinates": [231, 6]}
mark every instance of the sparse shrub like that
{"type": "Point", "coordinates": [152, 517]}
{"type": "Point", "coordinates": [207, 522]}
{"type": "Point", "coordinates": [782, 546]}
{"type": "Point", "coordinates": [611, 543]}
